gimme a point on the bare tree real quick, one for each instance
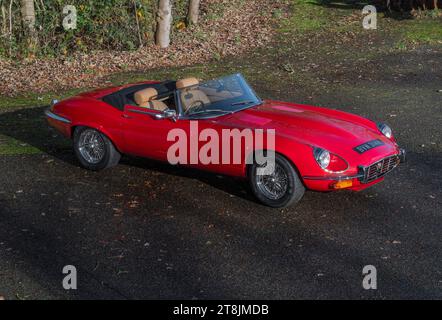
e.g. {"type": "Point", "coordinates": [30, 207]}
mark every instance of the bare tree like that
{"type": "Point", "coordinates": [194, 11]}
{"type": "Point", "coordinates": [28, 16]}
{"type": "Point", "coordinates": [164, 22]}
{"type": "Point", "coordinates": [10, 26]}
{"type": "Point", "coordinates": [4, 20]}
{"type": "Point", "coordinates": [140, 40]}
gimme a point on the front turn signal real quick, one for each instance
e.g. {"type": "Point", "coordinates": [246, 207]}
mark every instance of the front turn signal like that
{"type": "Point", "coordinates": [341, 184]}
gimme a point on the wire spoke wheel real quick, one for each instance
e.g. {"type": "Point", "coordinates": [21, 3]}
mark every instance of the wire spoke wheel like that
{"type": "Point", "coordinates": [91, 146]}
{"type": "Point", "coordinates": [274, 186]}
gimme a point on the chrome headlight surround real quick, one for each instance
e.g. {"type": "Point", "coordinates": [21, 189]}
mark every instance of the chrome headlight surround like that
{"type": "Point", "coordinates": [385, 130]}
{"type": "Point", "coordinates": [322, 157]}
{"type": "Point", "coordinates": [329, 162]}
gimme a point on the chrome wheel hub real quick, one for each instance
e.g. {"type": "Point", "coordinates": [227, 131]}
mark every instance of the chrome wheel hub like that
{"type": "Point", "coordinates": [274, 186]}
{"type": "Point", "coordinates": [91, 146]}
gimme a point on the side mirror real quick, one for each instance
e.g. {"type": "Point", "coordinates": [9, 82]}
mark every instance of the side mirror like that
{"type": "Point", "coordinates": [166, 114]}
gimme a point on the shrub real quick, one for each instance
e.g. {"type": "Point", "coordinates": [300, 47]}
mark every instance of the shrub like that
{"type": "Point", "coordinates": [101, 25]}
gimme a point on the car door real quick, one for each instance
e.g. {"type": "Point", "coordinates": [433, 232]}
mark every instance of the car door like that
{"type": "Point", "coordinates": [146, 136]}
{"type": "Point", "coordinates": [143, 134]}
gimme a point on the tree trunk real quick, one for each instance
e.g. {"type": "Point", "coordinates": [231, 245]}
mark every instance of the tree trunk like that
{"type": "Point", "coordinates": [4, 20]}
{"type": "Point", "coordinates": [140, 40]}
{"type": "Point", "coordinates": [194, 11]}
{"type": "Point", "coordinates": [28, 16]}
{"type": "Point", "coordinates": [164, 21]}
{"type": "Point", "coordinates": [10, 27]}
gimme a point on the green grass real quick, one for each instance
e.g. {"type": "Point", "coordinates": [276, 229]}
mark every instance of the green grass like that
{"type": "Point", "coordinates": [423, 30]}
{"type": "Point", "coordinates": [10, 146]}
{"type": "Point", "coordinates": [34, 100]}
{"type": "Point", "coordinates": [305, 16]}
{"type": "Point", "coordinates": [19, 131]}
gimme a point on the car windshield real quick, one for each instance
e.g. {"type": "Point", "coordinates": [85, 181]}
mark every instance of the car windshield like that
{"type": "Point", "coordinates": [217, 97]}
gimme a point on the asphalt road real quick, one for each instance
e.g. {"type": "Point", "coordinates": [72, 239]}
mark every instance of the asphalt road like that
{"type": "Point", "coordinates": [145, 230]}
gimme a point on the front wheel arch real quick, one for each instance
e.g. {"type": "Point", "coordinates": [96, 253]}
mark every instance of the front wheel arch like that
{"type": "Point", "coordinates": [295, 187]}
{"type": "Point", "coordinates": [249, 162]}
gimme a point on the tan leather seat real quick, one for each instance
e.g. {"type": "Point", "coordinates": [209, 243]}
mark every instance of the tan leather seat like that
{"type": "Point", "coordinates": [190, 94]}
{"type": "Point", "coordinates": [188, 82]}
{"type": "Point", "coordinates": [145, 99]}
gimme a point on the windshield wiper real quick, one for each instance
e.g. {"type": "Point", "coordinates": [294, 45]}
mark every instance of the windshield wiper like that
{"type": "Point", "coordinates": [242, 103]}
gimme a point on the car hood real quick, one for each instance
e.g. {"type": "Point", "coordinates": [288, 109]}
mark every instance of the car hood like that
{"type": "Point", "coordinates": [330, 129]}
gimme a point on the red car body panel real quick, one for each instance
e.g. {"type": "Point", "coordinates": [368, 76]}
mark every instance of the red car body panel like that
{"type": "Point", "coordinates": [298, 129]}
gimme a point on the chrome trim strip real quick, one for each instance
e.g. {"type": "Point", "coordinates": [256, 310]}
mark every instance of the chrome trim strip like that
{"type": "Point", "coordinates": [335, 178]}
{"type": "Point", "coordinates": [52, 115]}
{"type": "Point", "coordinates": [149, 113]}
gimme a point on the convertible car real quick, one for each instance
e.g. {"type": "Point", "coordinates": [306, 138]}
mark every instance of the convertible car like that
{"type": "Point", "coordinates": [314, 148]}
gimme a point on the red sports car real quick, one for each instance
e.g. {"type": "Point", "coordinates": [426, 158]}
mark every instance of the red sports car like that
{"type": "Point", "coordinates": [313, 148]}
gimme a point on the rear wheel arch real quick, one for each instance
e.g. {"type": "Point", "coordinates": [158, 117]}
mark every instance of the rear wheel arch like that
{"type": "Point", "coordinates": [109, 157]}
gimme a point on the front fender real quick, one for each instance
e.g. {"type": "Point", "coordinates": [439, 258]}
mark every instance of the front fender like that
{"type": "Point", "coordinates": [94, 114]}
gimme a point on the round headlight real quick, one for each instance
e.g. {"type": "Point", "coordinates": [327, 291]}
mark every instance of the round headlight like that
{"type": "Point", "coordinates": [386, 130]}
{"type": "Point", "coordinates": [322, 157]}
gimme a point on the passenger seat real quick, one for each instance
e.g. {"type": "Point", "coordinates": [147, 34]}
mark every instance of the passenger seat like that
{"type": "Point", "coordinates": [145, 99]}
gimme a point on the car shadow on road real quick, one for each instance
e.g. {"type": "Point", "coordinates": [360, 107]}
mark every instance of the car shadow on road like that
{"type": "Point", "coordinates": [28, 126]}
{"type": "Point", "coordinates": [234, 186]}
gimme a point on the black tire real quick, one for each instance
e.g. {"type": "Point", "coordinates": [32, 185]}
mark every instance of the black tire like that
{"type": "Point", "coordinates": [294, 189]}
{"type": "Point", "coordinates": [110, 156]}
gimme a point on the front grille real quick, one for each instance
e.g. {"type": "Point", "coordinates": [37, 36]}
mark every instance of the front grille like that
{"type": "Point", "coordinates": [379, 169]}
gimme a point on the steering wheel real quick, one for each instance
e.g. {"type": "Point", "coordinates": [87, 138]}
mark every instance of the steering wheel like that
{"type": "Point", "coordinates": [196, 106]}
{"type": "Point", "coordinates": [221, 87]}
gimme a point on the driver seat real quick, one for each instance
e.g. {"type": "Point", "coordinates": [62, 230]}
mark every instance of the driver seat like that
{"type": "Point", "coordinates": [145, 99]}
{"type": "Point", "coordinates": [190, 94]}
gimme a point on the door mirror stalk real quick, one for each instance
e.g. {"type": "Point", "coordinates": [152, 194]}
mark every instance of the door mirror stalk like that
{"type": "Point", "coordinates": [166, 114]}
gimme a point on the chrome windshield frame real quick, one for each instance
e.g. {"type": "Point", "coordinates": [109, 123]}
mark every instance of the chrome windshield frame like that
{"type": "Point", "coordinates": [245, 86]}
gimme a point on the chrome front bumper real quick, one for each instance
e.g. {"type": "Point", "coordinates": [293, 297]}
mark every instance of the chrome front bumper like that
{"type": "Point", "coordinates": [402, 155]}
{"type": "Point", "coordinates": [54, 116]}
